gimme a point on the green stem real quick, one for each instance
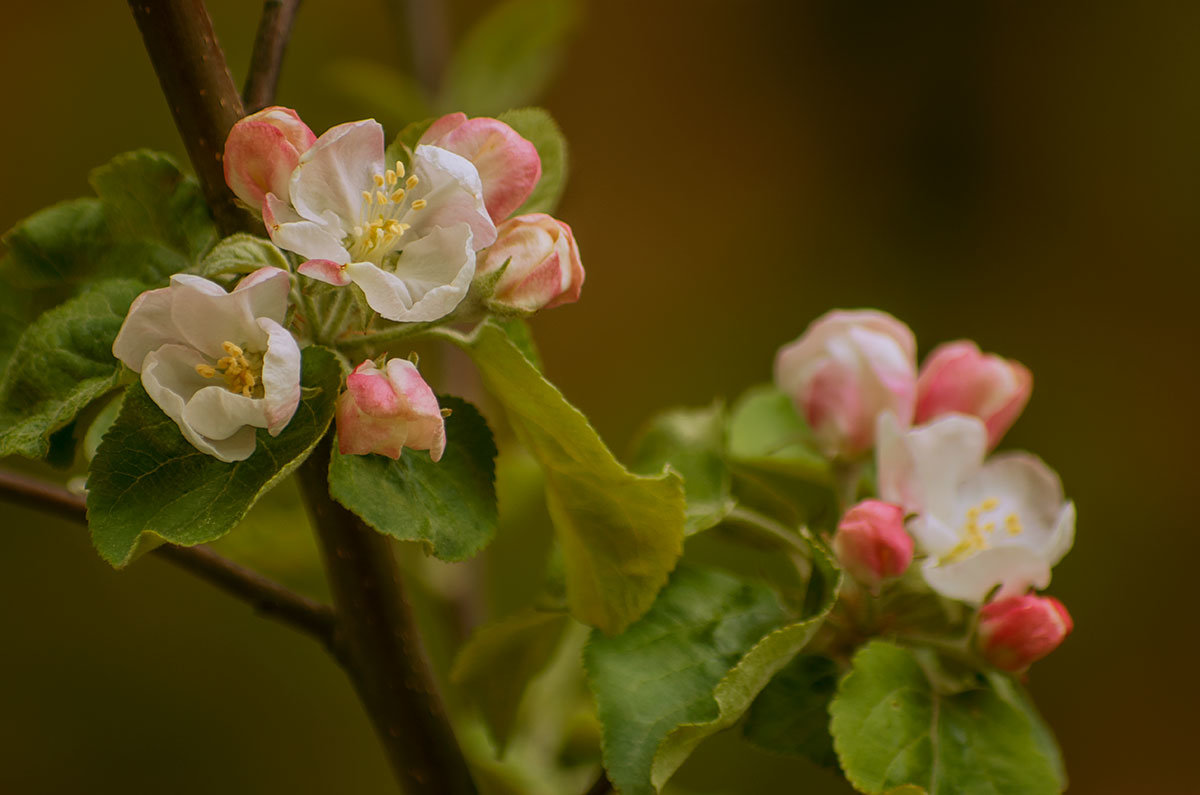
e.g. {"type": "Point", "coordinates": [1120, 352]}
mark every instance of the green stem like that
{"type": "Point", "coordinates": [342, 302]}
{"type": "Point", "coordinates": [393, 334]}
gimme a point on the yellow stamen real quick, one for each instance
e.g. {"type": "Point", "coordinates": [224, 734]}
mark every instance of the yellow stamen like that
{"type": "Point", "coordinates": [1012, 524]}
{"type": "Point", "coordinates": [411, 182]}
{"type": "Point", "coordinates": [399, 169]}
{"type": "Point", "coordinates": [990, 504]}
{"type": "Point", "coordinates": [380, 197]}
{"type": "Point", "coordinates": [367, 197]}
{"type": "Point", "coordinates": [391, 177]}
{"type": "Point", "coordinates": [206, 370]}
{"type": "Point", "coordinates": [379, 180]}
{"type": "Point", "coordinates": [398, 195]}
{"type": "Point", "coordinates": [419, 204]}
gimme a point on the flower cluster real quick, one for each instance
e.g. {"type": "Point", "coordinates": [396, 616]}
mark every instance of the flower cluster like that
{"type": "Point", "coordinates": [986, 528]}
{"type": "Point", "coordinates": [411, 235]}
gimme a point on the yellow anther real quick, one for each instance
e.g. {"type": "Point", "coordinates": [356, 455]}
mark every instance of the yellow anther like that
{"type": "Point", "coordinates": [990, 504]}
{"type": "Point", "coordinates": [990, 527]}
{"type": "Point", "coordinates": [1012, 524]}
{"type": "Point", "coordinates": [411, 182]}
{"type": "Point", "coordinates": [391, 177]}
{"type": "Point", "coordinates": [379, 180]}
{"type": "Point", "coordinates": [225, 362]}
{"type": "Point", "coordinates": [973, 513]}
{"type": "Point", "coordinates": [367, 197]}
{"type": "Point", "coordinates": [231, 349]}
{"type": "Point", "coordinates": [206, 370]}
{"type": "Point", "coordinates": [381, 197]}
{"type": "Point", "coordinates": [399, 169]}
{"type": "Point", "coordinates": [419, 204]}
{"type": "Point", "coordinates": [398, 195]}
{"type": "Point", "coordinates": [447, 412]}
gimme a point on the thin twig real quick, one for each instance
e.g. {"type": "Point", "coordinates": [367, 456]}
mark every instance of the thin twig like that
{"type": "Point", "coordinates": [266, 61]}
{"type": "Point", "coordinates": [383, 649]}
{"type": "Point", "coordinates": [204, 102]}
{"type": "Point", "coordinates": [264, 595]}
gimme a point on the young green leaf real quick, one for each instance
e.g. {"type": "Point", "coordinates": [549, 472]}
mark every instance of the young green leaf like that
{"type": "Point", "coordinates": [692, 442]}
{"type": "Point", "coordinates": [738, 688]}
{"type": "Point", "coordinates": [508, 57]}
{"type": "Point", "coordinates": [387, 94]}
{"type": "Point", "coordinates": [766, 432]}
{"type": "Point", "coordinates": [147, 482]}
{"type": "Point", "coordinates": [791, 714]}
{"type": "Point", "coordinates": [401, 147]}
{"type": "Point", "coordinates": [892, 728]}
{"type": "Point", "coordinates": [539, 127]}
{"type": "Point", "coordinates": [620, 533]}
{"type": "Point", "coordinates": [499, 660]}
{"type": "Point", "coordinates": [147, 198]}
{"type": "Point", "coordinates": [241, 253]}
{"type": "Point", "coordinates": [62, 363]}
{"type": "Point", "coordinates": [56, 246]}
{"type": "Point", "coordinates": [449, 506]}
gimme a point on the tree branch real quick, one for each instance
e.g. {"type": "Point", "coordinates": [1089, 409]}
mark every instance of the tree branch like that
{"type": "Point", "coordinates": [264, 595]}
{"type": "Point", "coordinates": [383, 650]}
{"type": "Point", "coordinates": [266, 61]}
{"type": "Point", "coordinates": [191, 69]}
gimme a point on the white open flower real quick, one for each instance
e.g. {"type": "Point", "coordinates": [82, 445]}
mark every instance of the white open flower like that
{"type": "Point", "coordinates": [1003, 521]}
{"type": "Point", "coordinates": [408, 241]}
{"type": "Point", "coordinates": [219, 364]}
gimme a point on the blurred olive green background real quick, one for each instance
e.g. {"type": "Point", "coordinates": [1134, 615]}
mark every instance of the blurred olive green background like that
{"type": "Point", "coordinates": [1023, 176]}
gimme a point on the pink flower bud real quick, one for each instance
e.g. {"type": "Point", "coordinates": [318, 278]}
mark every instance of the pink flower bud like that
{"type": "Point", "coordinates": [544, 269]}
{"type": "Point", "coordinates": [957, 377]}
{"type": "Point", "coordinates": [846, 369]}
{"type": "Point", "coordinates": [382, 411]}
{"type": "Point", "coordinates": [1020, 630]}
{"type": "Point", "coordinates": [509, 165]}
{"type": "Point", "coordinates": [262, 151]}
{"type": "Point", "coordinates": [871, 542]}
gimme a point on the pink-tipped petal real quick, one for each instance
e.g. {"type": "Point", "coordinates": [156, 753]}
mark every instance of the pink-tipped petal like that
{"type": "Point", "coordinates": [959, 378]}
{"type": "Point", "coordinates": [261, 152]}
{"type": "Point", "coordinates": [325, 270]}
{"type": "Point", "coordinates": [509, 165]}
{"type": "Point", "coordinates": [544, 269]}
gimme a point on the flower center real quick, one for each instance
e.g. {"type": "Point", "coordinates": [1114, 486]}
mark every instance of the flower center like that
{"type": "Point", "coordinates": [239, 369]}
{"type": "Point", "coordinates": [379, 230]}
{"type": "Point", "coordinates": [977, 530]}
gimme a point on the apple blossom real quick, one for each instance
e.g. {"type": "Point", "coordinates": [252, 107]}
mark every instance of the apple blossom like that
{"type": "Point", "coordinates": [1017, 632]}
{"type": "Point", "coordinates": [958, 377]}
{"type": "Point", "coordinates": [408, 242]}
{"type": "Point", "coordinates": [219, 364]}
{"type": "Point", "coordinates": [845, 369]}
{"type": "Point", "coordinates": [383, 411]}
{"type": "Point", "coordinates": [509, 165]}
{"type": "Point", "coordinates": [262, 151]}
{"type": "Point", "coordinates": [980, 523]}
{"type": "Point", "coordinates": [544, 269]}
{"type": "Point", "coordinates": [871, 542]}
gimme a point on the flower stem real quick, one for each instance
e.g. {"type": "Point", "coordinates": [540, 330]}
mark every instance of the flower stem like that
{"type": "Point", "coordinates": [266, 61]}
{"type": "Point", "coordinates": [383, 651]}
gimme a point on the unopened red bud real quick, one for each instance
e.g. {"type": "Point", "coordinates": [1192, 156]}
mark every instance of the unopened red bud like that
{"type": "Point", "coordinates": [871, 542]}
{"type": "Point", "coordinates": [1016, 632]}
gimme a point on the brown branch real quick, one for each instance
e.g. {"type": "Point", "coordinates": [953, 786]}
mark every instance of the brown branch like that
{"type": "Point", "coordinates": [383, 650]}
{"type": "Point", "coordinates": [266, 61]}
{"type": "Point", "coordinates": [191, 69]}
{"type": "Point", "coordinates": [264, 595]}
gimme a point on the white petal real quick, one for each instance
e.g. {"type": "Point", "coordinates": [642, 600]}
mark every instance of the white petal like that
{"type": "Point", "coordinates": [1062, 536]}
{"type": "Point", "coordinates": [311, 239]}
{"type": "Point", "coordinates": [970, 579]}
{"type": "Point", "coordinates": [217, 413]}
{"type": "Point", "coordinates": [207, 319]}
{"type": "Point", "coordinates": [335, 171]}
{"type": "Point", "coordinates": [450, 184]}
{"type": "Point", "coordinates": [933, 536]}
{"type": "Point", "coordinates": [923, 468]}
{"type": "Point", "coordinates": [170, 378]}
{"type": "Point", "coordinates": [1025, 482]}
{"type": "Point", "coordinates": [265, 293]}
{"type": "Point", "coordinates": [147, 326]}
{"type": "Point", "coordinates": [281, 376]}
{"type": "Point", "coordinates": [432, 276]}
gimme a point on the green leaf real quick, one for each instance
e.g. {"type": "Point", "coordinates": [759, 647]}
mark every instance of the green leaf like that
{"type": "Point", "coordinates": [537, 126]}
{"type": "Point", "coordinates": [508, 57]}
{"type": "Point", "coordinates": [147, 198]}
{"type": "Point", "coordinates": [620, 533]}
{"type": "Point", "coordinates": [62, 363]}
{"type": "Point", "coordinates": [241, 253]}
{"type": "Point", "coordinates": [500, 659]}
{"type": "Point", "coordinates": [387, 94]}
{"type": "Point", "coordinates": [739, 687]}
{"type": "Point", "coordinates": [147, 482]}
{"type": "Point", "coordinates": [1014, 693]}
{"type": "Point", "coordinates": [401, 147]}
{"type": "Point", "coordinates": [661, 672]}
{"type": "Point", "coordinates": [449, 506]}
{"type": "Point", "coordinates": [765, 431]}
{"type": "Point", "coordinates": [692, 442]}
{"type": "Point", "coordinates": [791, 714]}
{"type": "Point", "coordinates": [892, 728]}
{"type": "Point", "coordinates": [521, 334]}
{"type": "Point", "coordinates": [58, 245]}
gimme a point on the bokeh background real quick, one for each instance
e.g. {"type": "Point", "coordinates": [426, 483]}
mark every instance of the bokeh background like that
{"type": "Point", "coordinates": [1020, 174]}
